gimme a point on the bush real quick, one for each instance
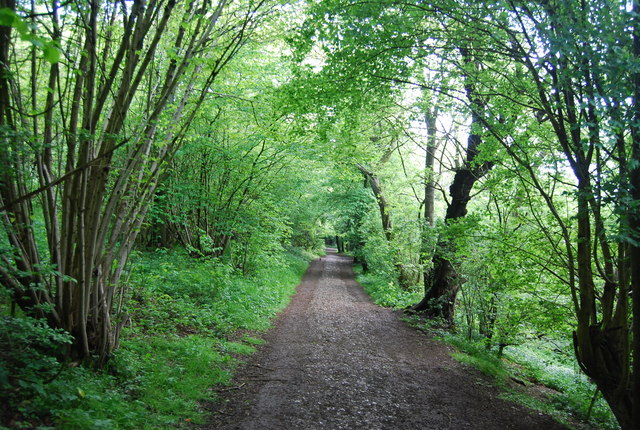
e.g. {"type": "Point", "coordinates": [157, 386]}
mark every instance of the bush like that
{"type": "Point", "coordinates": [385, 292]}
{"type": "Point", "coordinates": [574, 391]}
{"type": "Point", "coordinates": [174, 350]}
{"type": "Point", "coordinates": [28, 363]}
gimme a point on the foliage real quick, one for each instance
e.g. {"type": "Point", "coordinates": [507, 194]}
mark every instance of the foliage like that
{"type": "Point", "coordinates": [28, 363]}
{"type": "Point", "coordinates": [513, 280]}
{"type": "Point", "coordinates": [170, 374]}
{"type": "Point", "coordinates": [385, 292]}
{"type": "Point", "coordinates": [547, 87]}
{"type": "Point", "coordinates": [175, 348]}
{"type": "Point", "coordinates": [171, 291]}
{"type": "Point", "coordinates": [486, 148]}
{"type": "Point", "coordinates": [571, 391]}
{"type": "Point", "coordinates": [86, 140]}
{"type": "Point", "coordinates": [476, 355]}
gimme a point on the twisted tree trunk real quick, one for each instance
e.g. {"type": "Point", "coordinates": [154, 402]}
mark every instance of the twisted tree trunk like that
{"type": "Point", "coordinates": [441, 283]}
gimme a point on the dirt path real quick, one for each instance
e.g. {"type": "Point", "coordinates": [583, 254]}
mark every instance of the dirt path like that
{"type": "Point", "coordinates": [334, 360]}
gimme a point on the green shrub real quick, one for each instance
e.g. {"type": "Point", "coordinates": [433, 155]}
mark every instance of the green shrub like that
{"type": "Point", "coordinates": [85, 399]}
{"type": "Point", "coordinates": [173, 351]}
{"type": "Point", "coordinates": [385, 292]}
{"type": "Point", "coordinates": [475, 354]}
{"type": "Point", "coordinates": [171, 374]}
{"type": "Point", "coordinates": [28, 363]}
{"type": "Point", "coordinates": [557, 370]}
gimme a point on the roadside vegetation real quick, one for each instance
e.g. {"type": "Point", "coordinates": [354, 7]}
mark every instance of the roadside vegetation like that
{"type": "Point", "coordinates": [161, 161]}
{"type": "Point", "coordinates": [539, 373]}
{"type": "Point", "coordinates": [190, 320]}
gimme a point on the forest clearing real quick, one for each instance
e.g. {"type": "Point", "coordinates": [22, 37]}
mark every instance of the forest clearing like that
{"type": "Point", "coordinates": [170, 168]}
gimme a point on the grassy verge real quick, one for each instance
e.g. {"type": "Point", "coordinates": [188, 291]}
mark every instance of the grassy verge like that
{"type": "Point", "coordinates": [184, 312]}
{"type": "Point", "coordinates": [555, 385]}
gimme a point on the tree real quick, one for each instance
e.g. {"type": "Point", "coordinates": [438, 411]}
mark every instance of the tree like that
{"type": "Point", "coordinates": [634, 216]}
{"type": "Point", "coordinates": [577, 82]}
{"type": "Point", "coordinates": [394, 55]}
{"type": "Point", "coordinates": [441, 284]}
{"type": "Point", "coordinates": [374, 183]}
{"type": "Point", "coordinates": [112, 112]}
{"type": "Point", "coordinates": [544, 75]}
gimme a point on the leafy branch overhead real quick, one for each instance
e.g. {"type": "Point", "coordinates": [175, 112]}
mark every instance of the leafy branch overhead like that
{"type": "Point", "coordinates": [479, 160]}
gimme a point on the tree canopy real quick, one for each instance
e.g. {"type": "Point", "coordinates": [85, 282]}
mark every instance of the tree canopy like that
{"type": "Point", "coordinates": [481, 160]}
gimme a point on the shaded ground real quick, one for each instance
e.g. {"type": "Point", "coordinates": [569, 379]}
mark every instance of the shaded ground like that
{"type": "Point", "coordinates": [335, 360]}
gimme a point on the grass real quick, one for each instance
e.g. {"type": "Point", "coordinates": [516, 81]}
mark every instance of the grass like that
{"type": "Point", "coordinates": [252, 340]}
{"type": "Point", "coordinates": [184, 313]}
{"type": "Point", "coordinates": [154, 382]}
{"type": "Point", "coordinates": [564, 393]}
{"type": "Point", "coordinates": [571, 392]}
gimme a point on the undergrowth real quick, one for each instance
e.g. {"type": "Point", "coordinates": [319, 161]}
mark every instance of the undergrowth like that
{"type": "Point", "coordinates": [384, 292]}
{"type": "Point", "coordinates": [183, 311]}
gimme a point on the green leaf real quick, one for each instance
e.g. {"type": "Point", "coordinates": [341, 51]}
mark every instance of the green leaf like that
{"type": "Point", "coordinates": [7, 17]}
{"type": "Point", "coordinates": [51, 53]}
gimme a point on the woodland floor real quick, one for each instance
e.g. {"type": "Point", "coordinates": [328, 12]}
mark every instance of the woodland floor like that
{"type": "Point", "coordinates": [334, 360]}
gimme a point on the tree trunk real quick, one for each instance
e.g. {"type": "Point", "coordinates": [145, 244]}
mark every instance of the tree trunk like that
{"type": "Point", "coordinates": [376, 188]}
{"type": "Point", "coordinates": [374, 182]}
{"type": "Point", "coordinates": [426, 243]}
{"type": "Point", "coordinates": [634, 224]}
{"type": "Point", "coordinates": [441, 287]}
{"type": "Point", "coordinates": [488, 322]}
{"type": "Point", "coordinates": [442, 283]}
{"type": "Point", "coordinates": [94, 210]}
{"type": "Point", "coordinates": [429, 163]}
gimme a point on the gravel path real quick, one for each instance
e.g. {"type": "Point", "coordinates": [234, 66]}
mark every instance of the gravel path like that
{"type": "Point", "coordinates": [334, 360]}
